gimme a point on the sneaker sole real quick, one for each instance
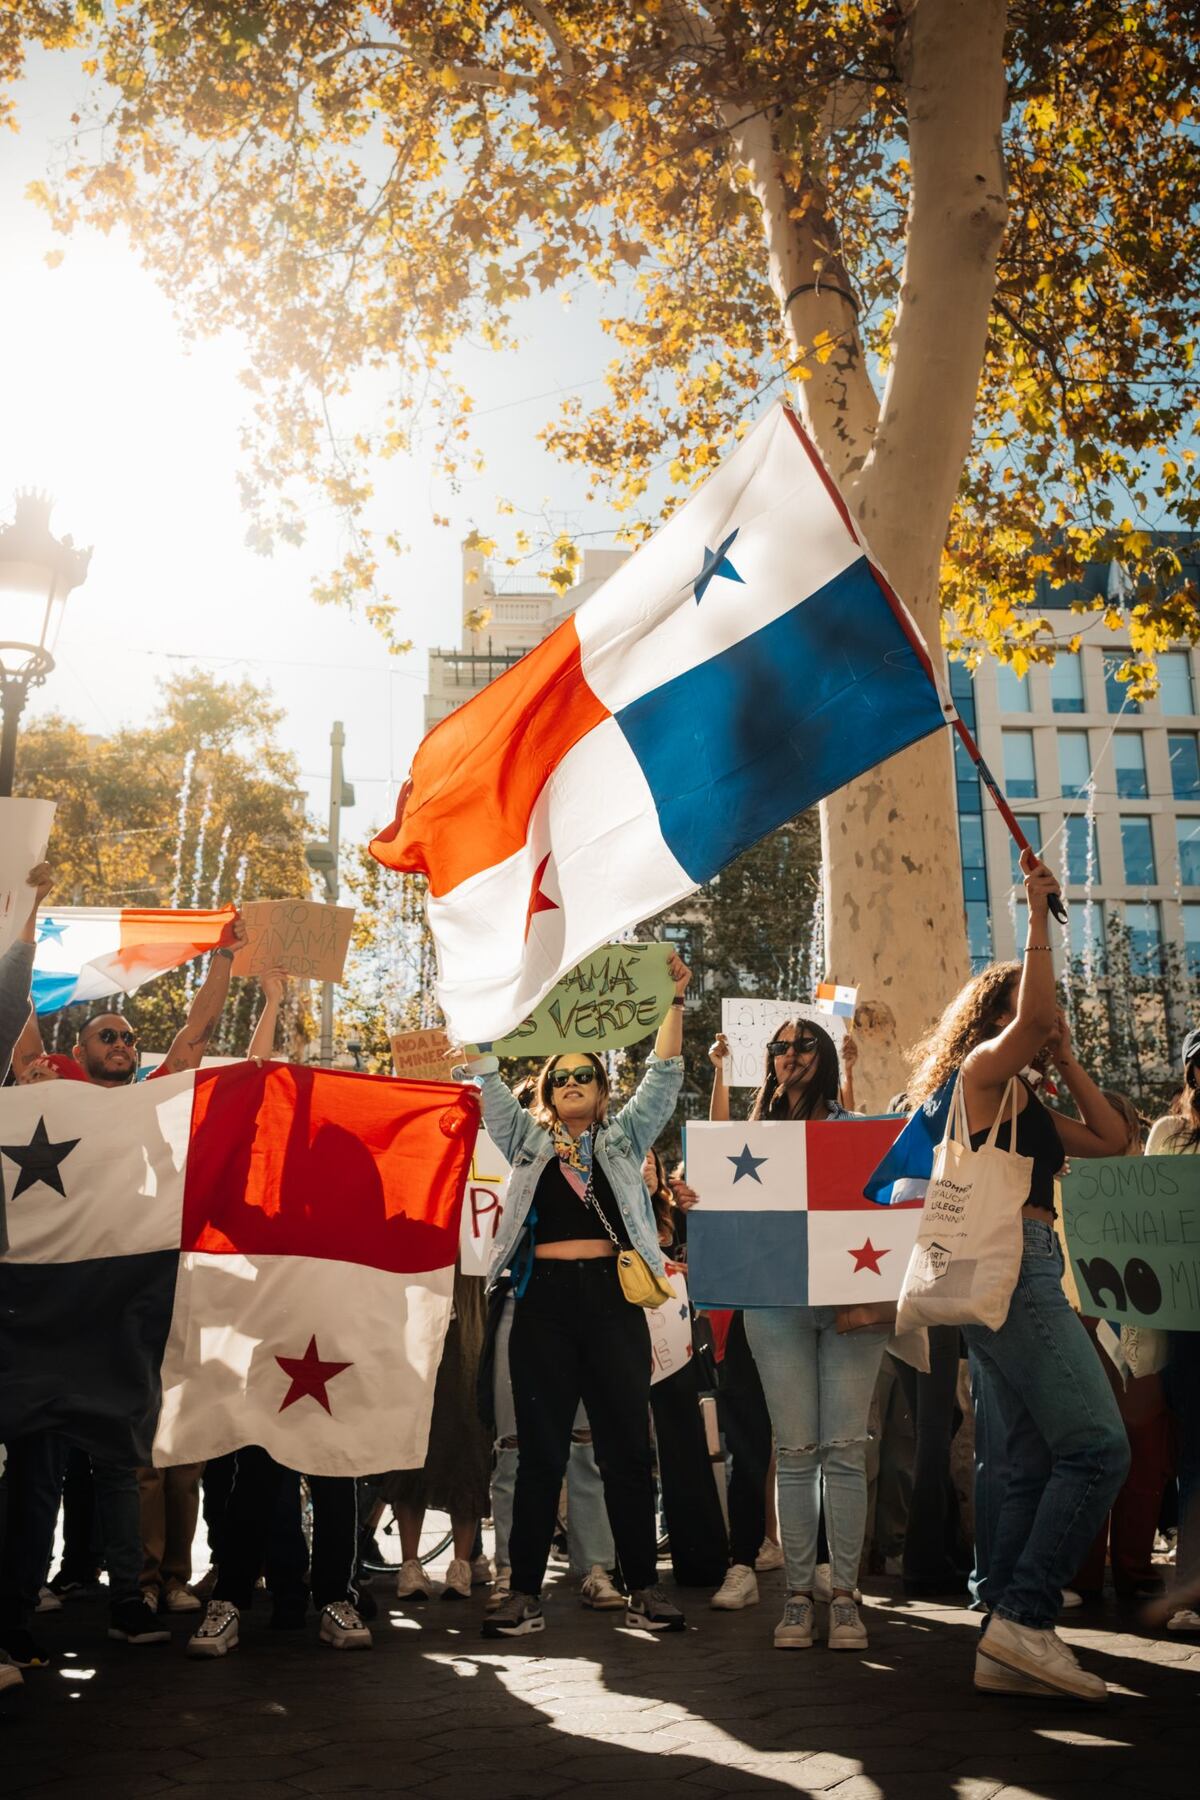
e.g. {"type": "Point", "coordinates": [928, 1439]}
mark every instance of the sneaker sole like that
{"type": "Point", "coordinates": [638, 1622]}
{"type": "Point", "coordinates": [613, 1605]}
{"type": "Point", "coordinates": [1053, 1687]}
{"type": "Point", "coordinates": [492, 1630]}
{"type": "Point", "coordinates": [848, 1643]}
{"type": "Point", "coordinates": [992, 1677]}
{"type": "Point", "coordinates": [138, 1638]}
{"type": "Point", "coordinates": [207, 1650]}
{"type": "Point", "coordinates": [793, 1643]}
{"type": "Point", "coordinates": [718, 1605]}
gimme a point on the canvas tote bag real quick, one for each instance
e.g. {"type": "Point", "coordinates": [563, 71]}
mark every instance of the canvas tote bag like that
{"type": "Point", "coordinates": [965, 1262]}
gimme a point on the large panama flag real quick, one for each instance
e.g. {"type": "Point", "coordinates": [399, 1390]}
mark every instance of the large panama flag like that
{"type": "Point", "coordinates": [244, 1255]}
{"type": "Point", "coordinates": [749, 659]}
{"type": "Point", "coordinates": [90, 952]}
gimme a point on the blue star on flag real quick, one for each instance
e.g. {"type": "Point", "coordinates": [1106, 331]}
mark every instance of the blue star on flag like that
{"type": "Point", "coordinates": [49, 932]}
{"type": "Point", "coordinates": [716, 562]}
{"type": "Point", "coordinates": [746, 1164]}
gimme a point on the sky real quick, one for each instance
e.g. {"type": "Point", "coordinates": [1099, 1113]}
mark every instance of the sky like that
{"type": "Point", "coordinates": [135, 434]}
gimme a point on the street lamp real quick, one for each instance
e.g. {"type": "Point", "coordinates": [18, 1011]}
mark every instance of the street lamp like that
{"type": "Point", "coordinates": [37, 572]}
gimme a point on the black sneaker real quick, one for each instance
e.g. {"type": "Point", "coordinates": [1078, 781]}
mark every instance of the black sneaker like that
{"type": "Point", "coordinates": [23, 1650]}
{"type": "Point", "coordinates": [133, 1622]}
{"type": "Point", "coordinates": [650, 1610]}
{"type": "Point", "coordinates": [516, 1616]}
{"type": "Point", "coordinates": [68, 1588]}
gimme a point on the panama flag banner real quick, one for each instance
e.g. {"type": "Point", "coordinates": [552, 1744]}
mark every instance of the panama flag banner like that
{"type": "Point", "coordinates": [256, 1254]}
{"type": "Point", "coordinates": [782, 1219]}
{"type": "Point", "coordinates": [748, 660]}
{"type": "Point", "coordinates": [90, 952]}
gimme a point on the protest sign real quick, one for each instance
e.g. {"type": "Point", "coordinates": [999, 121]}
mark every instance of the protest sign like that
{"type": "Point", "coordinates": [421, 1055]}
{"type": "Point", "coordinates": [483, 1206]}
{"type": "Point", "coordinates": [24, 835]}
{"type": "Point", "coordinates": [1133, 1231]}
{"type": "Point", "coordinates": [670, 1329]}
{"type": "Point", "coordinates": [617, 995]}
{"type": "Point", "coordinates": [749, 1025]}
{"type": "Point", "coordinates": [302, 936]}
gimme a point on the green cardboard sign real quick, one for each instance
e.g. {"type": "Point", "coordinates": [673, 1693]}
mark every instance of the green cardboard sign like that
{"type": "Point", "coordinates": [1133, 1232]}
{"type": "Point", "coordinates": [618, 995]}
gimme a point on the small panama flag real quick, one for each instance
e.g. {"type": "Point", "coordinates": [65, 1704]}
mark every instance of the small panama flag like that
{"type": "Point", "coordinates": [838, 1001]}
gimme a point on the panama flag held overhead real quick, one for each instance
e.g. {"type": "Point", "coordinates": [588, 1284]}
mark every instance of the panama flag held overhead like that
{"type": "Point", "coordinates": [782, 1219]}
{"type": "Point", "coordinates": [748, 660]}
{"type": "Point", "coordinates": [90, 952]}
{"type": "Point", "coordinates": [268, 1251]}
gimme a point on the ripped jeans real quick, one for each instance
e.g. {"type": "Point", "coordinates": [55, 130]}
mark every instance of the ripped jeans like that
{"type": "Point", "coordinates": [818, 1387]}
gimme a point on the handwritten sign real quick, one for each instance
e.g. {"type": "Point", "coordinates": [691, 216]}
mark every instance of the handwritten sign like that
{"type": "Point", "coordinates": [750, 1025]}
{"type": "Point", "coordinates": [421, 1055]}
{"type": "Point", "coordinates": [24, 835]}
{"type": "Point", "coordinates": [670, 1329]}
{"type": "Point", "coordinates": [616, 996]}
{"type": "Point", "coordinates": [483, 1206]}
{"type": "Point", "coordinates": [301, 936]}
{"type": "Point", "coordinates": [1133, 1231]}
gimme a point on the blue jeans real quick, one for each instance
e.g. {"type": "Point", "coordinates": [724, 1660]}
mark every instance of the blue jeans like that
{"type": "Point", "coordinates": [1067, 1451]}
{"type": "Point", "coordinates": [818, 1388]}
{"type": "Point", "coordinates": [991, 1477]}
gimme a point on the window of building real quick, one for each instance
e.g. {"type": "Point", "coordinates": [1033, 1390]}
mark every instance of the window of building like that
{"type": "Point", "coordinates": [1087, 926]}
{"type": "Point", "coordinates": [1077, 851]}
{"type": "Point", "coordinates": [1137, 850]}
{"type": "Point", "coordinates": [1066, 683]}
{"type": "Point", "coordinates": [1116, 693]}
{"type": "Point", "coordinates": [1031, 825]}
{"type": "Point", "coordinates": [1175, 682]}
{"type": "Point", "coordinates": [1187, 836]}
{"type": "Point", "coordinates": [966, 779]}
{"type": "Point", "coordinates": [1185, 765]}
{"type": "Point", "coordinates": [1129, 761]}
{"type": "Point", "coordinates": [1144, 926]}
{"type": "Point", "coordinates": [1012, 689]}
{"type": "Point", "coordinates": [1074, 764]}
{"type": "Point", "coordinates": [974, 860]}
{"type": "Point", "coordinates": [1020, 775]}
{"type": "Point", "coordinates": [962, 692]}
{"type": "Point", "coordinates": [979, 934]}
{"type": "Point", "coordinates": [1191, 938]}
{"type": "Point", "coordinates": [1020, 926]}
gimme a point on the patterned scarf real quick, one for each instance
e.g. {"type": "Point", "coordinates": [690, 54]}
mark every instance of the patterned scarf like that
{"type": "Point", "coordinates": [575, 1157]}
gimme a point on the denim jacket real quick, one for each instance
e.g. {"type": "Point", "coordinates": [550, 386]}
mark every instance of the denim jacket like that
{"type": "Point", "coordinates": [621, 1146]}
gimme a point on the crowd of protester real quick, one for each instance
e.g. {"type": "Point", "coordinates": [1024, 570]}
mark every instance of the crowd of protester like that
{"type": "Point", "coordinates": [836, 1458]}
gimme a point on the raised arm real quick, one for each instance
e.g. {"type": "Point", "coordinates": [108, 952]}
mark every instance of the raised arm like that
{"type": "Point", "coordinates": [205, 1011]}
{"type": "Point", "coordinates": [718, 1056]}
{"type": "Point", "coordinates": [989, 1066]}
{"type": "Point", "coordinates": [669, 1041]}
{"type": "Point", "coordinates": [849, 1058]}
{"type": "Point", "coordinates": [1100, 1130]}
{"type": "Point", "coordinates": [20, 1039]}
{"type": "Point", "coordinates": [274, 990]}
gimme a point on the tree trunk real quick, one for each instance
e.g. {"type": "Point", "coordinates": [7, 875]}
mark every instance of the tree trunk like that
{"type": "Point", "coordinates": [894, 918]}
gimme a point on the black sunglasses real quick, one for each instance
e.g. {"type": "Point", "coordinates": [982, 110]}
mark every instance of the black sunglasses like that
{"type": "Point", "coordinates": [801, 1045]}
{"type": "Point", "coordinates": [583, 1077]}
{"type": "Point", "coordinates": [109, 1036]}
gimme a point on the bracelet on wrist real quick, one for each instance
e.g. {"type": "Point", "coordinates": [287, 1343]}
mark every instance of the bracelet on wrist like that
{"type": "Point", "coordinates": [225, 951]}
{"type": "Point", "coordinates": [678, 1000]}
{"type": "Point", "coordinates": [1048, 948]}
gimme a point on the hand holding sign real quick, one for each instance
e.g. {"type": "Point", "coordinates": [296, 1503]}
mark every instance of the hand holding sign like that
{"type": "Point", "coordinates": [24, 835]}
{"type": "Point", "coordinates": [304, 937]}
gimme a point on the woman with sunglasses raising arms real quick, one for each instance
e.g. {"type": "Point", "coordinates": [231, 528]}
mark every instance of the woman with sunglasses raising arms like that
{"type": "Point", "coordinates": [575, 1198]}
{"type": "Point", "coordinates": [818, 1382]}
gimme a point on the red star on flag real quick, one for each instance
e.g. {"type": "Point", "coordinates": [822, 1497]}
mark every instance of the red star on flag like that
{"type": "Point", "coordinates": [867, 1257]}
{"type": "Point", "coordinates": [309, 1376]}
{"type": "Point", "coordinates": [539, 902]}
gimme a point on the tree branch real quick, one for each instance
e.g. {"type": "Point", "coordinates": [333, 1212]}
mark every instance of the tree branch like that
{"type": "Point", "coordinates": [545, 19]}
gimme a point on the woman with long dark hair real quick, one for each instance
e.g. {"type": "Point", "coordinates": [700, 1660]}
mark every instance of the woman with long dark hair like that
{"type": "Point", "coordinates": [818, 1382]}
{"type": "Point", "coordinates": [575, 1200]}
{"type": "Point", "coordinates": [1038, 1385]}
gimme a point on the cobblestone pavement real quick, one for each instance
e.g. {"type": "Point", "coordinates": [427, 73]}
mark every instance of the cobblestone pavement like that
{"type": "Point", "coordinates": [591, 1710]}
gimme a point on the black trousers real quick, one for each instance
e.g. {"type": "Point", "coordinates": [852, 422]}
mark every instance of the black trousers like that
{"type": "Point", "coordinates": [576, 1337]}
{"type": "Point", "coordinates": [931, 1546]}
{"type": "Point", "coordinates": [746, 1425]}
{"type": "Point", "coordinates": [247, 1527]}
{"type": "Point", "coordinates": [699, 1544]}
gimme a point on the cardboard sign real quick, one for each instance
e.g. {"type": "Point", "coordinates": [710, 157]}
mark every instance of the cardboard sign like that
{"type": "Point", "coordinates": [421, 1055]}
{"type": "Point", "coordinates": [671, 1329]}
{"type": "Point", "coordinates": [618, 995]}
{"type": "Point", "coordinates": [24, 835]}
{"type": "Point", "coordinates": [302, 936]}
{"type": "Point", "coordinates": [1133, 1230]}
{"type": "Point", "coordinates": [483, 1206]}
{"type": "Point", "coordinates": [750, 1025]}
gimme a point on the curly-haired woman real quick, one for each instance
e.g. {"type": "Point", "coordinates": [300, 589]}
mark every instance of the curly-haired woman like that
{"type": "Point", "coordinates": [1038, 1384]}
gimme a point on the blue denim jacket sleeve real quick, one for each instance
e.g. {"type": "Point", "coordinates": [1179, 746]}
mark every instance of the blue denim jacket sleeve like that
{"type": "Point", "coordinates": [508, 1125]}
{"type": "Point", "coordinates": [643, 1117]}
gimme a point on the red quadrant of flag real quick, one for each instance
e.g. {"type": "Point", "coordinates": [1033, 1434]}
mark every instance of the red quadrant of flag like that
{"type": "Point", "coordinates": [839, 1166]}
{"type": "Point", "coordinates": [292, 1161]}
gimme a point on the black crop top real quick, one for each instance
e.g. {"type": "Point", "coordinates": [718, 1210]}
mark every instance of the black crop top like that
{"type": "Point", "coordinates": [562, 1214]}
{"type": "Point", "coordinates": [1037, 1136]}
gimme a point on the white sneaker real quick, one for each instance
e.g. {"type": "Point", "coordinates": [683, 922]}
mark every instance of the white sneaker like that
{"type": "Point", "coordinates": [217, 1632]}
{"type": "Point", "coordinates": [412, 1583]}
{"type": "Point", "coordinates": [739, 1588]}
{"type": "Point", "coordinates": [846, 1629]}
{"type": "Point", "coordinates": [795, 1630]}
{"type": "Point", "coordinates": [180, 1600]}
{"type": "Point", "coordinates": [481, 1571]}
{"type": "Point", "coordinates": [770, 1556]}
{"type": "Point", "coordinates": [1040, 1654]}
{"type": "Point", "coordinates": [823, 1584]}
{"type": "Point", "coordinates": [598, 1591]}
{"type": "Point", "coordinates": [47, 1601]}
{"type": "Point", "coordinates": [1070, 1599]}
{"type": "Point", "coordinates": [1185, 1619]}
{"type": "Point", "coordinates": [342, 1628]}
{"type": "Point", "coordinates": [10, 1675]}
{"type": "Point", "coordinates": [458, 1580]}
{"type": "Point", "coordinates": [501, 1588]}
{"type": "Point", "coordinates": [993, 1678]}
